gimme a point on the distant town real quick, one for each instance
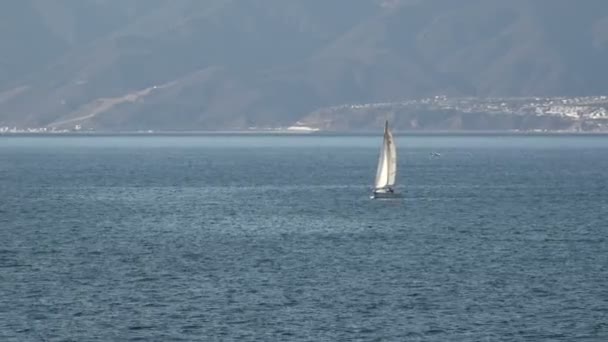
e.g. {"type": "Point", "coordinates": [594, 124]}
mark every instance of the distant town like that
{"type": "Point", "coordinates": [570, 114]}
{"type": "Point", "coordinates": [589, 107]}
{"type": "Point", "coordinates": [34, 130]}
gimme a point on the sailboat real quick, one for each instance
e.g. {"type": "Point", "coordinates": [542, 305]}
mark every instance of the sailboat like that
{"type": "Point", "coordinates": [387, 167]}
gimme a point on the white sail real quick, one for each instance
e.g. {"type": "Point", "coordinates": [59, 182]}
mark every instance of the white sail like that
{"type": "Point", "coordinates": [392, 160]}
{"type": "Point", "coordinates": [387, 163]}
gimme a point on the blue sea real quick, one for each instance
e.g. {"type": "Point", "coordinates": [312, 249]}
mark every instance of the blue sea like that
{"type": "Point", "coordinates": [274, 238]}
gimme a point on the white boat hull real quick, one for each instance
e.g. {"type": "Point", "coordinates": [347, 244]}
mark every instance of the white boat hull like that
{"type": "Point", "coordinates": [384, 194]}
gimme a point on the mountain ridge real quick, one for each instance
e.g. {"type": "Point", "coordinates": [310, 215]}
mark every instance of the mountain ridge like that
{"type": "Point", "coordinates": [238, 64]}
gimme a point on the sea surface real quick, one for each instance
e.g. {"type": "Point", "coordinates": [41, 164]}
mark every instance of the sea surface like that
{"type": "Point", "coordinates": [274, 238]}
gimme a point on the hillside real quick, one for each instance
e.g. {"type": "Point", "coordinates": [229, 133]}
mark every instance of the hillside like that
{"type": "Point", "coordinates": [233, 64]}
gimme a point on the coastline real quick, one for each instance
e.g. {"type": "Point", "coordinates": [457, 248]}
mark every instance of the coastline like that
{"type": "Point", "coordinates": [301, 133]}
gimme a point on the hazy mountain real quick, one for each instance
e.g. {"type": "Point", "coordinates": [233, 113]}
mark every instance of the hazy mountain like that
{"type": "Point", "coordinates": [192, 64]}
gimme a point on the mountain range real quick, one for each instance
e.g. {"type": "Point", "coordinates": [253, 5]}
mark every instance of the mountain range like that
{"type": "Point", "coordinates": [235, 64]}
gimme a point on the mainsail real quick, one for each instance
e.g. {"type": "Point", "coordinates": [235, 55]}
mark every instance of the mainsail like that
{"type": "Point", "coordinates": [387, 163]}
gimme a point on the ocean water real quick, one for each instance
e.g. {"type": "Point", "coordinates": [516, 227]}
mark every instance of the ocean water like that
{"type": "Point", "coordinates": [274, 238]}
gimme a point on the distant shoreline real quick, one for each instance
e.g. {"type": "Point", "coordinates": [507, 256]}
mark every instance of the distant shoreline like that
{"type": "Point", "coordinates": [298, 133]}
